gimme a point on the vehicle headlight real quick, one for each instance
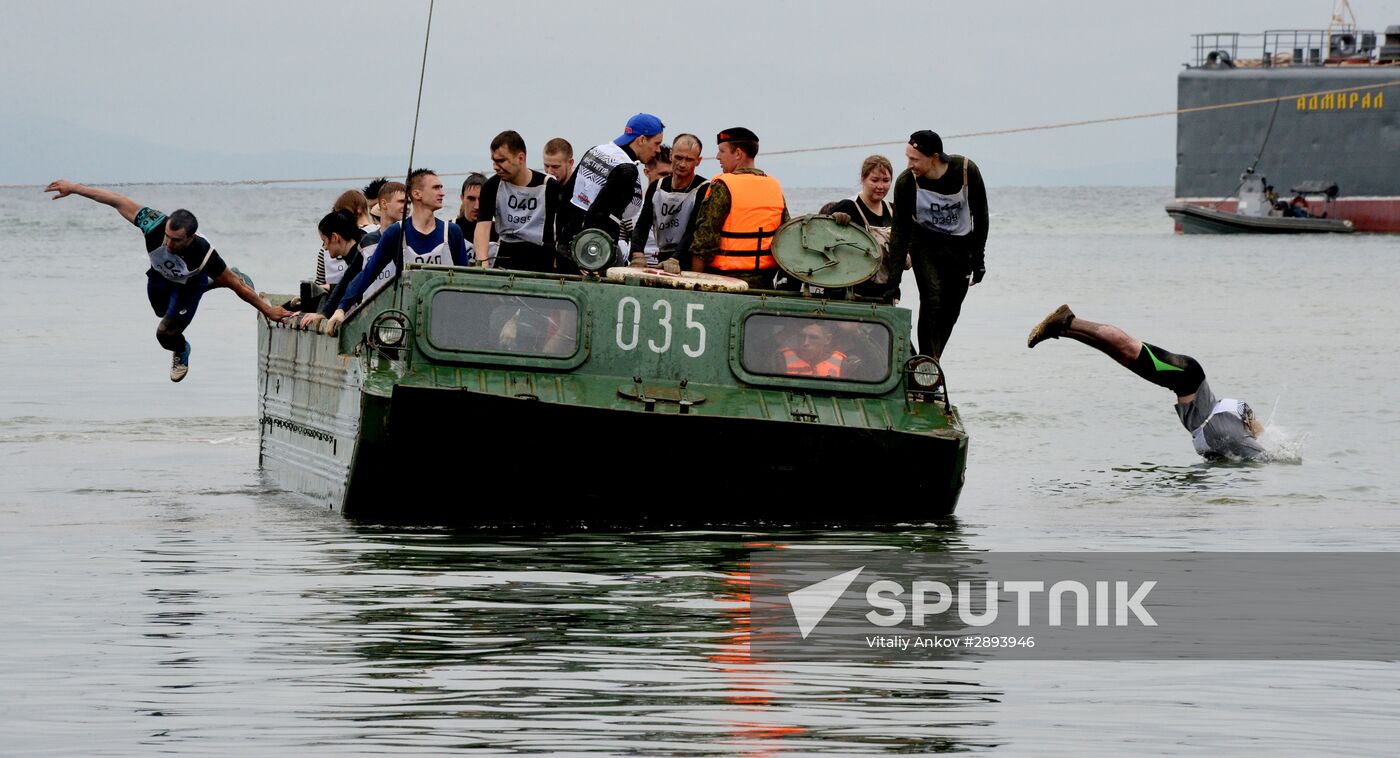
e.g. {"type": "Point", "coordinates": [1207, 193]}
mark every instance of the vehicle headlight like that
{"type": "Point", "coordinates": [593, 250]}
{"type": "Point", "coordinates": [923, 380]}
{"type": "Point", "coordinates": [924, 373]}
{"type": "Point", "coordinates": [389, 330]}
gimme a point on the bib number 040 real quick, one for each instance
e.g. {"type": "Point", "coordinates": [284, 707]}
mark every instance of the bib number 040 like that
{"type": "Point", "coordinates": [629, 327]}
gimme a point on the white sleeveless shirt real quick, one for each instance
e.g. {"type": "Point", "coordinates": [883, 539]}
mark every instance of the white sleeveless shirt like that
{"type": "Point", "coordinates": [433, 257]}
{"type": "Point", "coordinates": [520, 212]}
{"type": "Point", "coordinates": [671, 212]}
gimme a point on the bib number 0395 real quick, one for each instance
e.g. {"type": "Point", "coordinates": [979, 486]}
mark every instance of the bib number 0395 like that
{"type": "Point", "coordinates": [660, 339]}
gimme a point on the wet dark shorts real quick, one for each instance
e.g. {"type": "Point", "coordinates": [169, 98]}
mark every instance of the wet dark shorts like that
{"type": "Point", "coordinates": [177, 302]}
{"type": "Point", "coordinates": [1179, 373]}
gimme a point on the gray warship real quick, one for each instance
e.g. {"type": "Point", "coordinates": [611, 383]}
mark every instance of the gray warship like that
{"type": "Point", "coordinates": [1299, 106]}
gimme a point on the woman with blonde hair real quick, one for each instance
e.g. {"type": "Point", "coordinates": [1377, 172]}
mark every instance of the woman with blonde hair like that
{"type": "Point", "coordinates": [868, 209]}
{"type": "Point", "coordinates": [329, 269]}
{"type": "Point", "coordinates": [357, 204]}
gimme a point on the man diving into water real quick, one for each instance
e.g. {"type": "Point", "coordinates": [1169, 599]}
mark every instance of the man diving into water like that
{"type": "Point", "coordinates": [1220, 428]}
{"type": "Point", "coordinates": [184, 266]}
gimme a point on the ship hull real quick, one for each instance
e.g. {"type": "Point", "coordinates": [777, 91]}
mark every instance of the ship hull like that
{"type": "Point", "coordinates": [1335, 123]}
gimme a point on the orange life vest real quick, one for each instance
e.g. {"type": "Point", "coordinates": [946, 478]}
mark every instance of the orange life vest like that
{"type": "Point", "coordinates": [755, 212]}
{"type": "Point", "coordinates": [795, 366]}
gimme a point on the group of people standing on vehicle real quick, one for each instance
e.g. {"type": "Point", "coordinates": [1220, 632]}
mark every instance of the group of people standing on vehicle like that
{"type": "Point", "coordinates": [661, 212]}
{"type": "Point", "coordinates": [646, 195]}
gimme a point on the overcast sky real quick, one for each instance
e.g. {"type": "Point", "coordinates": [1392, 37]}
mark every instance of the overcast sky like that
{"type": "Point", "coordinates": [143, 90]}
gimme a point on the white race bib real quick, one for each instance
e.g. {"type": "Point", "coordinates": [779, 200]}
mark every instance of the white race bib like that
{"type": "Point", "coordinates": [520, 212]}
{"type": "Point", "coordinates": [948, 214]}
{"type": "Point", "coordinates": [172, 267]}
{"type": "Point", "coordinates": [671, 212]}
{"type": "Point", "coordinates": [335, 268]}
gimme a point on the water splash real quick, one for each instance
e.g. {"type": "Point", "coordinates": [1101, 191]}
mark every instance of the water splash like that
{"type": "Point", "coordinates": [1281, 444]}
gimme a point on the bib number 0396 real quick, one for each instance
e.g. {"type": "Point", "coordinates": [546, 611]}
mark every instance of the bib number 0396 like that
{"type": "Point", "coordinates": [662, 338]}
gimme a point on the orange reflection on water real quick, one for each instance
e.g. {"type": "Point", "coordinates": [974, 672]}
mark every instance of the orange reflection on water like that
{"type": "Point", "coordinates": [751, 681]}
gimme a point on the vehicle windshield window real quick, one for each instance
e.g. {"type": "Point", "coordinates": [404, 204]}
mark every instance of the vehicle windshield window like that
{"type": "Point", "coordinates": [493, 323]}
{"type": "Point", "coordinates": [817, 348]}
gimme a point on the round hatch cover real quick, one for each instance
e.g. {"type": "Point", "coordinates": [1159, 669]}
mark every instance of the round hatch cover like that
{"type": "Point", "coordinates": [817, 250]}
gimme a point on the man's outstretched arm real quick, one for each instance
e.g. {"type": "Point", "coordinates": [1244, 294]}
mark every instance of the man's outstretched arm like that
{"type": "Point", "coordinates": [124, 205]}
{"type": "Point", "coordinates": [235, 282]}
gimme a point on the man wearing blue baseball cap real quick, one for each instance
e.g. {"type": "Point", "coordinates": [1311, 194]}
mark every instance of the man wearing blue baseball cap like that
{"type": "Point", "coordinates": [606, 189]}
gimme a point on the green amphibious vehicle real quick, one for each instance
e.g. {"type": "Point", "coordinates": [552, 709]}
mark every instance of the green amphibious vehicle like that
{"type": "Point", "coordinates": [630, 395]}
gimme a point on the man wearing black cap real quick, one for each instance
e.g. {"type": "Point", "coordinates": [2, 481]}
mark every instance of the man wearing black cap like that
{"type": "Point", "coordinates": [745, 207]}
{"type": "Point", "coordinates": [605, 191]}
{"type": "Point", "coordinates": [940, 221]}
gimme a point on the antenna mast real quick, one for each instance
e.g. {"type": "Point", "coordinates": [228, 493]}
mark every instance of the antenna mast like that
{"type": "Point", "coordinates": [407, 221]}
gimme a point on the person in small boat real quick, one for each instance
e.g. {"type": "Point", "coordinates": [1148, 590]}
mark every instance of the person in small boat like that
{"type": "Point", "coordinates": [940, 221]}
{"type": "Point", "coordinates": [1298, 207]}
{"type": "Point", "coordinates": [559, 160]}
{"type": "Point", "coordinates": [668, 209]}
{"type": "Point", "coordinates": [340, 241]}
{"type": "Point", "coordinates": [607, 187]}
{"type": "Point", "coordinates": [184, 266]}
{"type": "Point", "coordinates": [428, 241]}
{"type": "Point", "coordinates": [740, 215]}
{"type": "Point", "coordinates": [811, 353]}
{"type": "Point", "coordinates": [869, 210]}
{"type": "Point", "coordinates": [1220, 427]}
{"type": "Point", "coordinates": [519, 204]}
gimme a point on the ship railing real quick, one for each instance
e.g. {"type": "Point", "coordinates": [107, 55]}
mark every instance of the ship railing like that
{"type": "Point", "coordinates": [1283, 47]}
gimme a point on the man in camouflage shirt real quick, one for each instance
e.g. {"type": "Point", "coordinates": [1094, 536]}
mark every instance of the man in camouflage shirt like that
{"type": "Point", "coordinates": [712, 242]}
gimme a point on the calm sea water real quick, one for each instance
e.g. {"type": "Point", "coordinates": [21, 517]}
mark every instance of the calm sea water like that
{"type": "Point", "coordinates": [160, 595]}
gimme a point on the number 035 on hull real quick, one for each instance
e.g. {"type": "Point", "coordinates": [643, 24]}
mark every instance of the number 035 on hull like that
{"type": "Point", "coordinates": [489, 397]}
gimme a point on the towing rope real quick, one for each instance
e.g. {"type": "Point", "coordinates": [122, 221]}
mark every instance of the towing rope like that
{"type": "Point", "coordinates": [1092, 121]}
